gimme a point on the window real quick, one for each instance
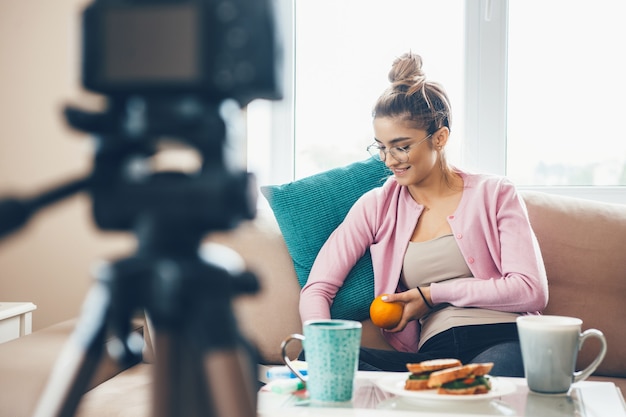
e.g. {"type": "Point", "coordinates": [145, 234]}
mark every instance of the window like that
{"type": "Point", "coordinates": [344, 50]}
{"type": "Point", "coordinates": [539, 106]}
{"type": "Point", "coordinates": [566, 86]}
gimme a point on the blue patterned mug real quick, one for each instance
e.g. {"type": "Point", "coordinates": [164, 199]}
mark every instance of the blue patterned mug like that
{"type": "Point", "coordinates": [331, 348]}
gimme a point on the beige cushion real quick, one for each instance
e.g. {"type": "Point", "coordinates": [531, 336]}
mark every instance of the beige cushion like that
{"type": "Point", "coordinates": [584, 248]}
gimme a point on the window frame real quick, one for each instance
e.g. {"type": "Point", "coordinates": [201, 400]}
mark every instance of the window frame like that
{"type": "Point", "coordinates": [486, 112]}
{"type": "Point", "coordinates": [485, 86]}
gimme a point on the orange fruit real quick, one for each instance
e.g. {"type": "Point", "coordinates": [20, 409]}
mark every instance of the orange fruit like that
{"type": "Point", "coordinates": [384, 314]}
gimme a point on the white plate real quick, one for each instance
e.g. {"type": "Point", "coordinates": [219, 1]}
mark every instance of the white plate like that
{"type": "Point", "coordinates": [395, 385]}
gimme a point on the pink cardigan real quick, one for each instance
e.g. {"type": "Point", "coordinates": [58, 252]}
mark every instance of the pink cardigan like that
{"type": "Point", "coordinates": [493, 232]}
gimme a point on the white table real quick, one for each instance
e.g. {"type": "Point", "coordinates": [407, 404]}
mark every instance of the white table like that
{"type": "Point", "coordinates": [585, 399]}
{"type": "Point", "coordinates": [15, 320]}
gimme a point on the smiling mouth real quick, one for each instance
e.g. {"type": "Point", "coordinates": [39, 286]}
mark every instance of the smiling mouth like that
{"type": "Point", "coordinates": [399, 171]}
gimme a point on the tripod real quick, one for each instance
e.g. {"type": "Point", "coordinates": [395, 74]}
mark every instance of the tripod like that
{"type": "Point", "coordinates": [165, 65]}
{"type": "Point", "coordinates": [203, 366]}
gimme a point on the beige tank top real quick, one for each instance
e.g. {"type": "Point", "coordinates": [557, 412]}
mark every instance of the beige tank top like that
{"type": "Point", "coordinates": [439, 260]}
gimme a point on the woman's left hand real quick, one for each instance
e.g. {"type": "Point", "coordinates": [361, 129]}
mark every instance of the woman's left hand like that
{"type": "Point", "coordinates": [414, 306]}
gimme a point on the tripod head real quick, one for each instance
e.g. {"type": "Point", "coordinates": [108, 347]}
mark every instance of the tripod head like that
{"type": "Point", "coordinates": [126, 189]}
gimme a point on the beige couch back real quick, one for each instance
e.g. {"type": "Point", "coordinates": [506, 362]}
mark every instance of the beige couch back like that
{"type": "Point", "coordinates": [584, 248]}
{"type": "Point", "coordinates": [583, 245]}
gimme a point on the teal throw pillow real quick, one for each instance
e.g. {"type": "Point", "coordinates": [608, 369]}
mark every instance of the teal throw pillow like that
{"type": "Point", "coordinates": [307, 212]}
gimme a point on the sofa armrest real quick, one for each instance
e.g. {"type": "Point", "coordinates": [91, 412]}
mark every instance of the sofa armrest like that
{"type": "Point", "coordinates": [26, 364]}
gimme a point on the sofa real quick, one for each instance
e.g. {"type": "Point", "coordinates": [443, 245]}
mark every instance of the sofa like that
{"type": "Point", "coordinates": [583, 244]}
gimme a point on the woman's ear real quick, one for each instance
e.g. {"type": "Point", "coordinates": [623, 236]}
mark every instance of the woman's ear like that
{"type": "Point", "coordinates": [440, 137]}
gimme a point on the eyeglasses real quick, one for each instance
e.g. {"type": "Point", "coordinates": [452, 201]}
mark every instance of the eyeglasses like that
{"type": "Point", "coordinates": [399, 153]}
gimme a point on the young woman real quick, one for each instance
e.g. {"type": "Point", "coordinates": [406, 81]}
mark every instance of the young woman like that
{"type": "Point", "coordinates": [456, 248]}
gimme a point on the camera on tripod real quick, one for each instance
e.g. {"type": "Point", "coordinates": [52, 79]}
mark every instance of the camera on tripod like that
{"type": "Point", "coordinates": [165, 67]}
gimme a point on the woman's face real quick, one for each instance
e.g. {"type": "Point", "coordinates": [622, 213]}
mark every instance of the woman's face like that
{"type": "Point", "coordinates": [417, 157]}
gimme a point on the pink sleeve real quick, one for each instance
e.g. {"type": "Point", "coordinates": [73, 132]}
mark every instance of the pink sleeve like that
{"type": "Point", "coordinates": [506, 259]}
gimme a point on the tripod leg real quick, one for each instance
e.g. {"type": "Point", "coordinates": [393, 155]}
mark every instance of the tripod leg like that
{"type": "Point", "coordinates": [220, 384]}
{"type": "Point", "coordinates": [232, 385]}
{"type": "Point", "coordinates": [178, 385]}
{"type": "Point", "coordinates": [78, 359]}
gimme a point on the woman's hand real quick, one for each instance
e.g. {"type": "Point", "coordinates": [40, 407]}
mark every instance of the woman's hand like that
{"type": "Point", "coordinates": [414, 305]}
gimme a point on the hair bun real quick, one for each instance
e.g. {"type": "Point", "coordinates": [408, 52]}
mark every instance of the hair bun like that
{"type": "Point", "coordinates": [412, 97]}
{"type": "Point", "coordinates": [406, 72]}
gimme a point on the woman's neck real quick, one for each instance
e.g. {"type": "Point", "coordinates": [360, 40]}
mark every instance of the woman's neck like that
{"type": "Point", "coordinates": [437, 189]}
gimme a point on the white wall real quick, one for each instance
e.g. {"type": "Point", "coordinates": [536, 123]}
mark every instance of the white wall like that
{"type": "Point", "coordinates": [47, 263]}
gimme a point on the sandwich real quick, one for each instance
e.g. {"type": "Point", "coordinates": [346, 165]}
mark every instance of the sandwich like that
{"type": "Point", "coordinates": [420, 372]}
{"type": "Point", "coordinates": [468, 379]}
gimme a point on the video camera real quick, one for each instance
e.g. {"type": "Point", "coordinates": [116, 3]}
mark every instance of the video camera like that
{"type": "Point", "coordinates": [165, 66]}
{"type": "Point", "coordinates": [217, 49]}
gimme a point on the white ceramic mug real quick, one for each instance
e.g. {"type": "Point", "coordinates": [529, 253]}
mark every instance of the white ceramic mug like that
{"type": "Point", "coordinates": [332, 356]}
{"type": "Point", "coordinates": [550, 346]}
